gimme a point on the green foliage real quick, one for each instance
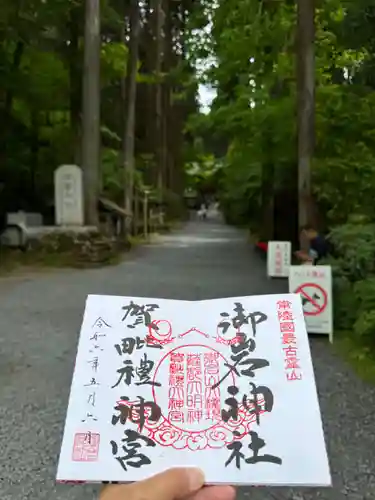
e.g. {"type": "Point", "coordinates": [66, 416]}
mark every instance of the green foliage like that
{"type": "Point", "coordinates": [202, 174]}
{"type": "Point", "coordinates": [354, 310]}
{"type": "Point", "coordinates": [42, 68]}
{"type": "Point", "coordinates": [345, 162]}
{"type": "Point", "coordinates": [173, 205]}
{"type": "Point", "coordinates": [355, 244]}
{"type": "Point", "coordinates": [255, 108]}
{"type": "Point", "coordinates": [111, 174]}
{"type": "Point", "coordinates": [254, 120]}
{"type": "Point", "coordinates": [364, 327]}
{"type": "Point", "coordinates": [44, 79]}
{"type": "Point", "coordinates": [113, 61]}
{"type": "Point", "coordinates": [344, 310]}
{"type": "Point", "coordinates": [354, 281]}
{"type": "Point", "coordinates": [42, 64]}
{"type": "Point", "coordinates": [240, 184]}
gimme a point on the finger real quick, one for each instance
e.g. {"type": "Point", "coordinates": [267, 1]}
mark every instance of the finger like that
{"type": "Point", "coordinates": [215, 493]}
{"type": "Point", "coordinates": [172, 484]}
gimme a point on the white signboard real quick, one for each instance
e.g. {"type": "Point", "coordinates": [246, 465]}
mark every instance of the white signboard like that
{"type": "Point", "coordinates": [279, 255]}
{"type": "Point", "coordinates": [226, 385]}
{"type": "Point", "coordinates": [314, 284]}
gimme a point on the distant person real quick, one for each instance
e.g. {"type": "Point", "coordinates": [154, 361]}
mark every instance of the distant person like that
{"type": "Point", "coordinates": [318, 246]}
{"type": "Point", "coordinates": [202, 212]}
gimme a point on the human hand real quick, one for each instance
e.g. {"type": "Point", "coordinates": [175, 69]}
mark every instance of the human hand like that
{"type": "Point", "coordinates": [300, 254]}
{"type": "Point", "coordinates": [173, 484]}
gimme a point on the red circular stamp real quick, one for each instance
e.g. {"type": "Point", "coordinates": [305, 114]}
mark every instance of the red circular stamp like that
{"type": "Point", "coordinates": [194, 387]}
{"type": "Point", "coordinates": [160, 332]}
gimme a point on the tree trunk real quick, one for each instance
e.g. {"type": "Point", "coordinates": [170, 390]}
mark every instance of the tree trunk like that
{"type": "Point", "coordinates": [136, 213]}
{"type": "Point", "coordinates": [34, 156]}
{"type": "Point", "coordinates": [91, 112]}
{"type": "Point", "coordinates": [129, 111]}
{"type": "Point", "coordinates": [305, 103]}
{"type": "Point", "coordinates": [75, 80]}
{"type": "Point", "coordinates": [6, 111]}
{"type": "Point", "coordinates": [166, 90]}
{"type": "Point", "coordinates": [267, 230]}
{"type": "Point", "coordinates": [158, 33]}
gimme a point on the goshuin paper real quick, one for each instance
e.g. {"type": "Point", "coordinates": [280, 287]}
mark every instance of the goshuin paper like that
{"type": "Point", "coordinates": [226, 385]}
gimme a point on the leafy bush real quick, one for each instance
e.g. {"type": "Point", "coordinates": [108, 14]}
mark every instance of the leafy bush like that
{"type": "Point", "coordinates": [364, 328]}
{"type": "Point", "coordinates": [344, 310]}
{"type": "Point", "coordinates": [364, 294]}
{"type": "Point", "coordinates": [354, 281]}
{"type": "Point", "coordinates": [354, 244]}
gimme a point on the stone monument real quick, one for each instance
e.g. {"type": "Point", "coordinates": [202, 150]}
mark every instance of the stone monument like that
{"type": "Point", "coordinates": [69, 210]}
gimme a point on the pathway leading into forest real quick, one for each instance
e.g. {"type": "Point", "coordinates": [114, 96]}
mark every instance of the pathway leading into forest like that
{"type": "Point", "coordinates": [39, 321]}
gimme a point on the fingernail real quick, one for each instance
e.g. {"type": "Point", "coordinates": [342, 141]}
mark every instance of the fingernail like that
{"type": "Point", "coordinates": [196, 478]}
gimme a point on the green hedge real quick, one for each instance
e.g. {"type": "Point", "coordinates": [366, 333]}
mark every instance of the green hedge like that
{"type": "Point", "coordinates": [353, 266]}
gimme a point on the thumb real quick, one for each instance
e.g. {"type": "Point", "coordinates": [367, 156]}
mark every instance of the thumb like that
{"type": "Point", "coordinates": [172, 484]}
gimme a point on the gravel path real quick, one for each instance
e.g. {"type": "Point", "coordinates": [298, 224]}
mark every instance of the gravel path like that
{"type": "Point", "coordinates": [39, 322]}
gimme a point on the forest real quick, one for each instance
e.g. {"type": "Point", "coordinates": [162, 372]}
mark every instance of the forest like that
{"type": "Point", "coordinates": [255, 126]}
{"type": "Point", "coordinates": [48, 84]}
{"type": "Point", "coordinates": [138, 123]}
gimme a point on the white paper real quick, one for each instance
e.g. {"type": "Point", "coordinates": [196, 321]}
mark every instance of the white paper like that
{"type": "Point", "coordinates": [186, 422]}
{"type": "Point", "coordinates": [314, 284]}
{"type": "Point", "coordinates": [279, 255]}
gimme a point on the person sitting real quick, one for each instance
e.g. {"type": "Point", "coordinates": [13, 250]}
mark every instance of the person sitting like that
{"type": "Point", "coordinates": [318, 246]}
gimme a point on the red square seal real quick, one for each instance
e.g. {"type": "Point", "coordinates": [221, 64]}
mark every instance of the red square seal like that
{"type": "Point", "coordinates": [86, 447]}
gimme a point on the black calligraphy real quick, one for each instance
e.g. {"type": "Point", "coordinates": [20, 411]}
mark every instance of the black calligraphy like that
{"type": "Point", "coordinates": [260, 394]}
{"type": "Point", "coordinates": [89, 416]}
{"type": "Point", "coordinates": [253, 319]}
{"type": "Point", "coordinates": [255, 446]}
{"type": "Point", "coordinates": [136, 412]}
{"type": "Point", "coordinates": [91, 399]}
{"type": "Point", "coordinates": [261, 400]}
{"type": "Point", "coordinates": [92, 382]}
{"type": "Point", "coordinates": [141, 314]}
{"type": "Point", "coordinates": [242, 363]}
{"type": "Point", "coordinates": [131, 448]}
{"type": "Point", "coordinates": [233, 405]}
{"type": "Point", "coordinates": [96, 337]}
{"type": "Point", "coordinates": [94, 364]}
{"type": "Point", "coordinates": [88, 438]}
{"type": "Point", "coordinates": [100, 323]}
{"type": "Point", "coordinates": [130, 344]}
{"type": "Point", "coordinates": [143, 371]}
{"type": "Point", "coordinates": [126, 373]}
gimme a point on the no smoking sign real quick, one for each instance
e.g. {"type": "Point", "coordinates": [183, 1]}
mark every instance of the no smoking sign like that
{"type": "Point", "coordinates": [314, 298]}
{"type": "Point", "coordinates": [314, 285]}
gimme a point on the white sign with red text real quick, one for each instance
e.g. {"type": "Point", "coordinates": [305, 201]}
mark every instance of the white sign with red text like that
{"type": "Point", "coordinates": [279, 255]}
{"type": "Point", "coordinates": [226, 385]}
{"type": "Point", "coordinates": [314, 284]}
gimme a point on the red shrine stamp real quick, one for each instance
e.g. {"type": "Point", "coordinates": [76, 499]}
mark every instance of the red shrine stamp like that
{"type": "Point", "coordinates": [159, 332]}
{"type": "Point", "coordinates": [192, 398]}
{"type": "Point", "coordinates": [86, 447]}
